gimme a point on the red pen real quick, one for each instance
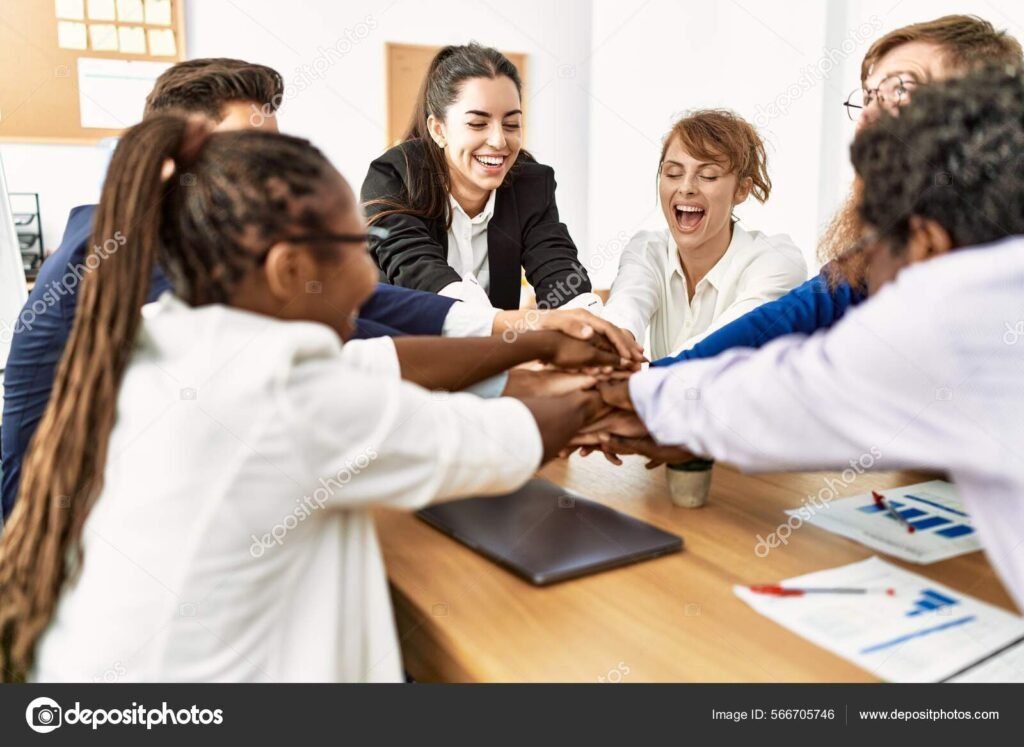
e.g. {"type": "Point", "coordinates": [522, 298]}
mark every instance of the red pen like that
{"type": "Point", "coordinates": [880, 501]}
{"type": "Point", "coordinates": [776, 590]}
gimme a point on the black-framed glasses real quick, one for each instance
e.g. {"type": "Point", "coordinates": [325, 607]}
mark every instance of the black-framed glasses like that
{"type": "Point", "coordinates": [893, 91]}
{"type": "Point", "coordinates": [372, 238]}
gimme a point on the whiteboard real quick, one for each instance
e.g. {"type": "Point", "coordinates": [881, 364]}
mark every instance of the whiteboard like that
{"type": "Point", "coordinates": [13, 290]}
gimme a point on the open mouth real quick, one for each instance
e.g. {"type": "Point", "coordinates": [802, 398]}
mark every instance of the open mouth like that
{"type": "Point", "coordinates": [492, 164]}
{"type": "Point", "coordinates": [689, 217]}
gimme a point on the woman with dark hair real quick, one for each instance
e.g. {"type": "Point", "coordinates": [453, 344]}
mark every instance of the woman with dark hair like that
{"type": "Point", "coordinates": [466, 208]}
{"type": "Point", "coordinates": [220, 451]}
{"type": "Point", "coordinates": [927, 371]}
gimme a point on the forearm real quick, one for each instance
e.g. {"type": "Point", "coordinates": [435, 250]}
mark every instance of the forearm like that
{"type": "Point", "coordinates": [456, 363]}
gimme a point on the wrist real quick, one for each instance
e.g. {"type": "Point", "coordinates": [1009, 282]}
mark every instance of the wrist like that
{"type": "Point", "coordinates": [504, 321]}
{"type": "Point", "coordinates": [543, 344]}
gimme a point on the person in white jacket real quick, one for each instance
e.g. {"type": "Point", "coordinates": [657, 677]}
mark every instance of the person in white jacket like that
{"type": "Point", "coordinates": [196, 503]}
{"type": "Point", "coordinates": [703, 270]}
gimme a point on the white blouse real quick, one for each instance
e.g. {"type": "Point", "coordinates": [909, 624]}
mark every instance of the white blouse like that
{"type": "Point", "coordinates": [649, 292]}
{"type": "Point", "coordinates": [233, 539]}
{"type": "Point", "coordinates": [467, 255]}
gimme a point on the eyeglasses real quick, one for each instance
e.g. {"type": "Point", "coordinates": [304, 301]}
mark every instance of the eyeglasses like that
{"type": "Point", "coordinates": [373, 238]}
{"type": "Point", "coordinates": [892, 91]}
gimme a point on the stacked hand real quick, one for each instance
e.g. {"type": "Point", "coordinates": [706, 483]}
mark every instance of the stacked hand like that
{"type": "Point", "coordinates": [578, 324]}
{"type": "Point", "coordinates": [619, 431]}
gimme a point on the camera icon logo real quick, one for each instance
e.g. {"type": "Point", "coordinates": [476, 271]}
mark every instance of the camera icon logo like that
{"type": "Point", "coordinates": [43, 715]}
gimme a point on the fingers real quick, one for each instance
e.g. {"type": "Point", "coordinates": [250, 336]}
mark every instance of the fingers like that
{"type": "Point", "coordinates": [583, 325]}
{"type": "Point", "coordinates": [616, 394]}
{"type": "Point", "coordinates": [621, 339]}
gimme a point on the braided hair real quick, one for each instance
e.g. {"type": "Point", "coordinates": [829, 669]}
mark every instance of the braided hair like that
{"type": "Point", "coordinates": [232, 195]}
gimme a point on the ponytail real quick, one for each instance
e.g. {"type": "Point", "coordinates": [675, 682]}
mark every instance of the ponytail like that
{"type": "Point", "coordinates": [430, 183]}
{"type": "Point", "coordinates": [63, 472]}
{"type": "Point", "coordinates": [228, 197]}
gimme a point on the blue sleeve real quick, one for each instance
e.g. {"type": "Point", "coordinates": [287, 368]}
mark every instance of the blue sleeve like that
{"type": "Point", "coordinates": [40, 336]}
{"type": "Point", "coordinates": [367, 329]}
{"type": "Point", "coordinates": [409, 311]}
{"type": "Point", "coordinates": [817, 304]}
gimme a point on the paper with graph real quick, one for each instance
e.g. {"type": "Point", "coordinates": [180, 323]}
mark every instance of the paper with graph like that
{"type": "Point", "coordinates": [942, 528]}
{"type": "Point", "coordinates": [922, 632]}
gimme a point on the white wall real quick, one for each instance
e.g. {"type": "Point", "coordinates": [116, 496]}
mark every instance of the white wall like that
{"type": "Point", "coordinates": [674, 56]}
{"type": "Point", "coordinates": [334, 52]}
{"type": "Point", "coordinates": [605, 81]}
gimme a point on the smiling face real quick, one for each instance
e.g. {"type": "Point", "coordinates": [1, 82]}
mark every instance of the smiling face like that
{"type": "Point", "coordinates": [481, 135]}
{"type": "Point", "coordinates": [697, 198]}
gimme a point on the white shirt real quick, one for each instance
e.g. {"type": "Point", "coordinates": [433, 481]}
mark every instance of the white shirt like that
{"type": "Point", "coordinates": [467, 255]}
{"type": "Point", "coordinates": [650, 288]}
{"type": "Point", "coordinates": [233, 539]}
{"type": "Point", "coordinates": [929, 372]}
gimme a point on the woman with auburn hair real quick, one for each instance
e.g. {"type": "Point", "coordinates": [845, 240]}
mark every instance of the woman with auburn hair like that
{"type": "Point", "coordinates": [896, 66]}
{"type": "Point", "coordinates": [922, 371]}
{"type": "Point", "coordinates": [703, 270]}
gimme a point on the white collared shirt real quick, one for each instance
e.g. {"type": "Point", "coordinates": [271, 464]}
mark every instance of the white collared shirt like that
{"type": "Point", "coordinates": [233, 539]}
{"type": "Point", "coordinates": [467, 255]}
{"type": "Point", "coordinates": [650, 292]}
{"type": "Point", "coordinates": [926, 374]}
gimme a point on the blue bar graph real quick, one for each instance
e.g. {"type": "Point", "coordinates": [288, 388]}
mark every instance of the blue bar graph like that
{"type": "Point", "coordinates": [931, 600]}
{"type": "Point", "coordinates": [955, 531]}
{"type": "Point", "coordinates": [920, 519]}
{"type": "Point", "coordinates": [931, 521]}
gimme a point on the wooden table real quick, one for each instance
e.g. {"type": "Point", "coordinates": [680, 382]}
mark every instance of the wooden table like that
{"type": "Point", "coordinates": [461, 618]}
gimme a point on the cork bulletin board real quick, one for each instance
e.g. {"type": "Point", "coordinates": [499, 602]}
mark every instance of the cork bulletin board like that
{"type": "Point", "coordinates": [72, 71]}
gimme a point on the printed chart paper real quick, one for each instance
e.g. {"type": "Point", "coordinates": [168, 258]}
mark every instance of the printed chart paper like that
{"type": "Point", "coordinates": [923, 632]}
{"type": "Point", "coordinates": [943, 528]}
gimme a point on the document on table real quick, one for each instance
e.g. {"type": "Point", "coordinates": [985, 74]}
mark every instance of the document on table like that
{"type": "Point", "coordinates": [923, 632]}
{"type": "Point", "coordinates": [943, 529]}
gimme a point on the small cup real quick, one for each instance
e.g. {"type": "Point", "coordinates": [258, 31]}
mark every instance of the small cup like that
{"type": "Point", "coordinates": [689, 482]}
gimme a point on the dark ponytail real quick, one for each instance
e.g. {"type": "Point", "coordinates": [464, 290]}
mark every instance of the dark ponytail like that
{"type": "Point", "coordinates": [231, 196]}
{"type": "Point", "coordinates": [64, 467]}
{"type": "Point", "coordinates": [429, 184]}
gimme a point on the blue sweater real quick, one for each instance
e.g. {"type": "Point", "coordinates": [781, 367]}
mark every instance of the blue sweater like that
{"type": "Point", "coordinates": [807, 308]}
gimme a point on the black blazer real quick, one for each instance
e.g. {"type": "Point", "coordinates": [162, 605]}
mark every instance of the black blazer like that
{"type": "Point", "coordinates": [523, 232]}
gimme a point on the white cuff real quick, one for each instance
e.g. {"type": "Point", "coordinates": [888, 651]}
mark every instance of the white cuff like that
{"type": "Point", "coordinates": [589, 301]}
{"type": "Point", "coordinates": [469, 320]}
{"type": "Point", "coordinates": [491, 388]}
{"type": "Point", "coordinates": [468, 290]}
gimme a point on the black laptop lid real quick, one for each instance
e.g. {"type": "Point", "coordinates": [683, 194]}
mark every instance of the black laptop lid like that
{"type": "Point", "coordinates": [546, 533]}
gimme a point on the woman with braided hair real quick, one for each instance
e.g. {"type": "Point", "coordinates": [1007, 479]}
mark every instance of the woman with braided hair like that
{"type": "Point", "coordinates": [195, 501]}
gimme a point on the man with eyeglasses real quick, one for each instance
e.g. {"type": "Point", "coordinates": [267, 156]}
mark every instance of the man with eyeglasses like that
{"type": "Point", "coordinates": [894, 66]}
